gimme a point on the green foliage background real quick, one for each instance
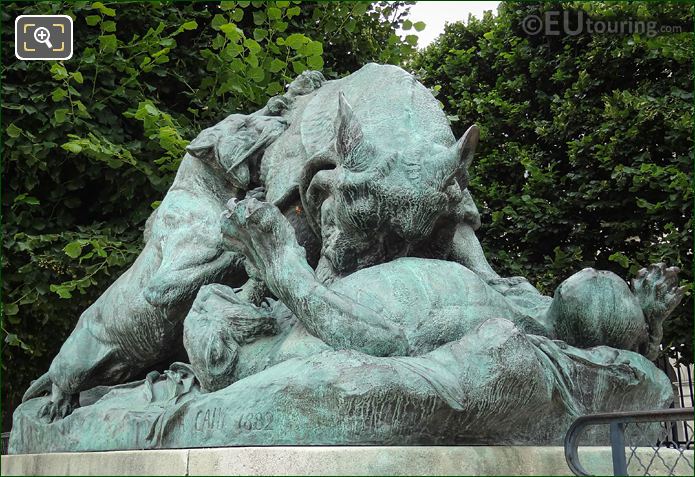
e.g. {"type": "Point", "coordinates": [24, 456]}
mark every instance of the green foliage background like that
{"type": "Point", "coordinates": [586, 150]}
{"type": "Point", "coordinates": [585, 160]}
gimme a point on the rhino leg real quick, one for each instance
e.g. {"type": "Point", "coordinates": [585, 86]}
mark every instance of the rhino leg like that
{"type": "Point", "coordinates": [266, 238]}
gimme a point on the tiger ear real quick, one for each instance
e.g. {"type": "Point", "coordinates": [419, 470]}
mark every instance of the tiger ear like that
{"type": "Point", "coordinates": [348, 130]}
{"type": "Point", "coordinates": [204, 147]}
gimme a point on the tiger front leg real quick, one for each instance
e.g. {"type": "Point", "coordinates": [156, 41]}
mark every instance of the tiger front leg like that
{"type": "Point", "coordinates": [266, 238]}
{"type": "Point", "coordinates": [60, 405]}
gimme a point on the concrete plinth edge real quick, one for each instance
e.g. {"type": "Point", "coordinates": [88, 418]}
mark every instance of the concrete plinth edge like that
{"type": "Point", "coordinates": [362, 460]}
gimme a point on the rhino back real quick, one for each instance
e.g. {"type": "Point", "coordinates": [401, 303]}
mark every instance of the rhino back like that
{"type": "Point", "coordinates": [389, 103]}
{"type": "Point", "coordinates": [410, 288]}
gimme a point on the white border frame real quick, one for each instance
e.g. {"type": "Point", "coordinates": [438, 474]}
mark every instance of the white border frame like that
{"type": "Point", "coordinates": [72, 38]}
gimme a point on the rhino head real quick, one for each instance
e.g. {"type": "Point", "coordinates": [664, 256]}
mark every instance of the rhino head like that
{"type": "Point", "coordinates": [371, 203]}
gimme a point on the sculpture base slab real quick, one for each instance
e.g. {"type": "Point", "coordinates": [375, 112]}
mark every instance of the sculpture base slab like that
{"type": "Point", "coordinates": [373, 460]}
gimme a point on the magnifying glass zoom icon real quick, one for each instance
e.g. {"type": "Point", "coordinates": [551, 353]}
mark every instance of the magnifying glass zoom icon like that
{"type": "Point", "coordinates": [42, 35]}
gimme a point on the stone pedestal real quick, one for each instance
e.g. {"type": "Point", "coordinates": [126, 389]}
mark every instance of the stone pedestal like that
{"type": "Point", "coordinates": [376, 460]}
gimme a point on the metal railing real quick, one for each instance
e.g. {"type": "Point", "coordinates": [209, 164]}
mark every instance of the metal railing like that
{"type": "Point", "coordinates": [654, 428]}
{"type": "Point", "coordinates": [681, 377]}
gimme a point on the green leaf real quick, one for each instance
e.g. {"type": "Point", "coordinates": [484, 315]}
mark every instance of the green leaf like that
{"type": "Point", "coordinates": [313, 48]}
{"type": "Point", "coordinates": [274, 13]}
{"type": "Point", "coordinates": [274, 88]}
{"type": "Point", "coordinates": [218, 42]}
{"type": "Point", "coordinates": [292, 12]}
{"type": "Point", "coordinates": [620, 259]}
{"type": "Point", "coordinates": [407, 25]}
{"type": "Point", "coordinates": [72, 147]}
{"type": "Point", "coordinates": [296, 41]}
{"type": "Point", "coordinates": [10, 309]}
{"type": "Point", "coordinates": [191, 25]}
{"type": "Point", "coordinates": [276, 65]}
{"type": "Point", "coordinates": [360, 8]}
{"type": "Point", "coordinates": [58, 71]}
{"type": "Point", "coordinates": [298, 67]}
{"type": "Point", "coordinates": [60, 115]}
{"type": "Point", "coordinates": [104, 9]}
{"type": "Point", "coordinates": [217, 21]}
{"type": "Point", "coordinates": [259, 33]}
{"type": "Point", "coordinates": [88, 56]}
{"type": "Point", "coordinates": [259, 18]}
{"type": "Point", "coordinates": [26, 199]}
{"type": "Point", "coordinates": [73, 249]}
{"type": "Point", "coordinates": [108, 26]}
{"type": "Point", "coordinates": [92, 19]}
{"type": "Point", "coordinates": [315, 62]}
{"type": "Point", "coordinates": [151, 109]}
{"type": "Point", "coordinates": [107, 43]}
{"type": "Point", "coordinates": [411, 40]}
{"type": "Point", "coordinates": [238, 15]}
{"type": "Point", "coordinates": [252, 45]}
{"type": "Point", "coordinates": [231, 31]}
{"type": "Point", "coordinates": [77, 76]}
{"type": "Point", "coordinates": [61, 290]}
{"type": "Point", "coordinates": [257, 74]}
{"type": "Point", "coordinates": [13, 131]}
{"type": "Point", "coordinates": [419, 26]}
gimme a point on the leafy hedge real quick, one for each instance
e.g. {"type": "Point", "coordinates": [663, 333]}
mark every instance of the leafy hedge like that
{"type": "Point", "coordinates": [586, 154]}
{"type": "Point", "coordinates": [92, 144]}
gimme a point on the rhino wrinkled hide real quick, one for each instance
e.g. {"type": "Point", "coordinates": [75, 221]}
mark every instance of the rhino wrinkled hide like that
{"type": "Point", "coordinates": [316, 263]}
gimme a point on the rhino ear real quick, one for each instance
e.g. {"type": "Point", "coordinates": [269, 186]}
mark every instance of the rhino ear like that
{"type": "Point", "coordinates": [347, 127]}
{"type": "Point", "coordinates": [462, 154]}
{"type": "Point", "coordinates": [465, 147]}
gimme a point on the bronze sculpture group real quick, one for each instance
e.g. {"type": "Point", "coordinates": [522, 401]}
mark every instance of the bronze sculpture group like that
{"type": "Point", "coordinates": [315, 265]}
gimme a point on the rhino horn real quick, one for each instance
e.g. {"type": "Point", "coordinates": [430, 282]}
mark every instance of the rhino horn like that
{"type": "Point", "coordinates": [463, 152]}
{"type": "Point", "coordinates": [348, 129]}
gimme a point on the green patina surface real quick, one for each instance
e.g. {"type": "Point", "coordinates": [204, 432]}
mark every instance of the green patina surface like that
{"type": "Point", "coordinates": [341, 298]}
